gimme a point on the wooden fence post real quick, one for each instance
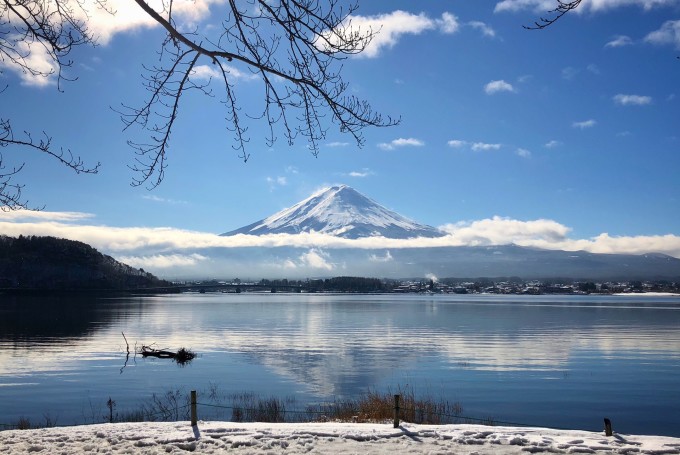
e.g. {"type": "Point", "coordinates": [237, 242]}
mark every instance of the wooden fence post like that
{"type": "Point", "coordinates": [396, 411]}
{"type": "Point", "coordinates": [607, 427]}
{"type": "Point", "coordinates": [194, 417]}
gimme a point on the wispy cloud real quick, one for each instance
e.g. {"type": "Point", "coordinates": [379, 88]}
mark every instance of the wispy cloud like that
{"type": "Point", "coordinates": [524, 153]}
{"type": "Point", "coordinates": [205, 73]}
{"type": "Point", "coordinates": [163, 261]}
{"type": "Point", "coordinates": [569, 72]}
{"type": "Point", "coordinates": [376, 258]}
{"type": "Point", "coordinates": [669, 33]}
{"type": "Point", "coordinates": [167, 249]}
{"type": "Point", "coordinates": [277, 181]}
{"type": "Point", "coordinates": [619, 41]}
{"type": "Point", "coordinates": [27, 215]}
{"type": "Point", "coordinates": [588, 5]}
{"type": "Point", "coordinates": [584, 124]}
{"type": "Point", "coordinates": [456, 143]}
{"type": "Point", "coordinates": [154, 198]}
{"type": "Point", "coordinates": [517, 5]}
{"type": "Point", "coordinates": [552, 144]}
{"type": "Point", "coordinates": [484, 147]}
{"type": "Point", "coordinates": [593, 68]}
{"type": "Point", "coordinates": [483, 27]}
{"type": "Point", "coordinates": [337, 144]}
{"type": "Point", "coordinates": [400, 143]}
{"type": "Point", "coordinates": [632, 100]}
{"type": "Point", "coordinates": [360, 174]}
{"type": "Point", "coordinates": [316, 258]}
{"type": "Point", "coordinates": [497, 87]}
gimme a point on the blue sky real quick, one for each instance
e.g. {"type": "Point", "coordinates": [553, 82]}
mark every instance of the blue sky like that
{"type": "Point", "coordinates": [568, 134]}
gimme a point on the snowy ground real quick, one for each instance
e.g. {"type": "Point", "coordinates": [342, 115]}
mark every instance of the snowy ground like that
{"type": "Point", "coordinates": [335, 438]}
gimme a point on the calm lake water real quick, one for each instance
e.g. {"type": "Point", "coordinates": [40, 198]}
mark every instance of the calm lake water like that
{"type": "Point", "coordinates": [541, 360]}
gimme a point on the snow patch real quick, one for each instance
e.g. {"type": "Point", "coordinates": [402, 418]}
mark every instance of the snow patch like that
{"type": "Point", "coordinates": [265, 438]}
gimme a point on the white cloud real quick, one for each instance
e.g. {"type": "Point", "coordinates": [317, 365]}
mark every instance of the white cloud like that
{"type": "Point", "coordinates": [337, 144]}
{"type": "Point", "coordinates": [498, 86]}
{"type": "Point", "coordinates": [161, 261]}
{"type": "Point", "coordinates": [524, 153]}
{"type": "Point", "coordinates": [482, 27]}
{"type": "Point", "coordinates": [517, 5]}
{"type": "Point", "coordinates": [593, 68]}
{"type": "Point", "coordinates": [361, 174]}
{"type": "Point", "coordinates": [391, 27]}
{"type": "Point", "coordinates": [569, 73]}
{"type": "Point", "coordinates": [483, 147]}
{"type": "Point", "coordinates": [154, 198]}
{"type": "Point", "coordinates": [316, 259]}
{"type": "Point", "coordinates": [277, 181]}
{"type": "Point", "coordinates": [455, 143]}
{"type": "Point", "coordinates": [619, 41]}
{"type": "Point", "coordinates": [669, 33]}
{"type": "Point", "coordinates": [386, 258]}
{"type": "Point", "coordinates": [584, 124]}
{"type": "Point", "coordinates": [24, 215]}
{"type": "Point", "coordinates": [632, 100]}
{"type": "Point", "coordinates": [586, 5]}
{"type": "Point", "coordinates": [166, 246]}
{"type": "Point", "coordinates": [448, 23]}
{"type": "Point", "coordinates": [499, 231]}
{"type": "Point", "coordinates": [401, 142]}
{"type": "Point", "coordinates": [552, 144]}
{"type": "Point", "coordinates": [127, 17]}
{"type": "Point", "coordinates": [36, 57]}
{"type": "Point", "coordinates": [204, 73]}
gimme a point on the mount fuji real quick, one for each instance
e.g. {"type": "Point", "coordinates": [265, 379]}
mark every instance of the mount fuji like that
{"type": "Point", "coordinates": [343, 212]}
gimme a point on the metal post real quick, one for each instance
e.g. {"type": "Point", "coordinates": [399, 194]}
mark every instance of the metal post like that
{"type": "Point", "coordinates": [194, 418]}
{"type": "Point", "coordinates": [396, 411]}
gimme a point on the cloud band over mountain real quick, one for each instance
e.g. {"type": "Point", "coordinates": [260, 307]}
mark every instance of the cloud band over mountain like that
{"type": "Point", "coordinates": [161, 248]}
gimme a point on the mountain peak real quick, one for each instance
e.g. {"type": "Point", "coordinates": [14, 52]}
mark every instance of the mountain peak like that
{"type": "Point", "coordinates": [342, 211]}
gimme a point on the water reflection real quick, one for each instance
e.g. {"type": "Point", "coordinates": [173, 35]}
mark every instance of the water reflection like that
{"type": "Point", "coordinates": [546, 349]}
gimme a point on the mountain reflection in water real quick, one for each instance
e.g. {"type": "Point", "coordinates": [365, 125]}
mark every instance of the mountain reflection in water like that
{"type": "Point", "coordinates": [514, 358]}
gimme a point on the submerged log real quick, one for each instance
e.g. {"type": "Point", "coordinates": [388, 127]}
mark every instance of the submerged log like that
{"type": "Point", "coordinates": [182, 356]}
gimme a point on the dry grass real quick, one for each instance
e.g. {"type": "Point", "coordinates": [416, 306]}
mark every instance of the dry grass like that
{"type": "Point", "coordinates": [379, 407]}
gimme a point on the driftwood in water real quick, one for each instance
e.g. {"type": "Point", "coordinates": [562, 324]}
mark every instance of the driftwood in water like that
{"type": "Point", "coordinates": [182, 356]}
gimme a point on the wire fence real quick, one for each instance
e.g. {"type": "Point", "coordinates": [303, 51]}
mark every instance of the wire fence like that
{"type": "Point", "coordinates": [370, 408]}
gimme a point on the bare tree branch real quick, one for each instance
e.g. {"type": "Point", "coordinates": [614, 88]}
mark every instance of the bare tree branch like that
{"type": "Point", "coordinates": [292, 47]}
{"type": "Point", "coordinates": [52, 28]}
{"type": "Point", "coordinates": [10, 192]}
{"type": "Point", "coordinates": [563, 7]}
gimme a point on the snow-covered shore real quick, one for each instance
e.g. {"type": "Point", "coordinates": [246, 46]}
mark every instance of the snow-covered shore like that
{"type": "Point", "coordinates": [335, 438]}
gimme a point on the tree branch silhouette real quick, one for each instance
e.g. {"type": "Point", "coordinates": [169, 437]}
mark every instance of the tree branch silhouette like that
{"type": "Point", "coordinates": [563, 7]}
{"type": "Point", "coordinates": [55, 29]}
{"type": "Point", "coordinates": [292, 47]}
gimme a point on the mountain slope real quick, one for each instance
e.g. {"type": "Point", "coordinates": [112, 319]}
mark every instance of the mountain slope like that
{"type": "Point", "coordinates": [48, 263]}
{"type": "Point", "coordinates": [341, 211]}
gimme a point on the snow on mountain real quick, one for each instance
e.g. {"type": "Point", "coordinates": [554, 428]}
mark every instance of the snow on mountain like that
{"type": "Point", "coordinates": [341, 211]}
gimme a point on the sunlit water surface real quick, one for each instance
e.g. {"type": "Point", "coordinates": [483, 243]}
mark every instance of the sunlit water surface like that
{"type": "Point", "coordinates": [540, 360]}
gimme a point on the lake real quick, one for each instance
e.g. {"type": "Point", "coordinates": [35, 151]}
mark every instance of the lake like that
{"type": "Point", "coordinates": [556, 361]}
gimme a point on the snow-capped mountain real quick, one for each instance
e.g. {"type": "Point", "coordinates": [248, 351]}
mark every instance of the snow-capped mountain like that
{"type": "Point", "coordinates": [341, 211]}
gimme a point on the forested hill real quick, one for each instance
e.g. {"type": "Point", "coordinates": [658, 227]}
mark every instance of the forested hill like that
{"type": "Point", "coordinates": [48, 263]}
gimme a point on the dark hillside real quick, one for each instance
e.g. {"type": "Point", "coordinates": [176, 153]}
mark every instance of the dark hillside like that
{"type": "Point", "coordinates": [48, 263]}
